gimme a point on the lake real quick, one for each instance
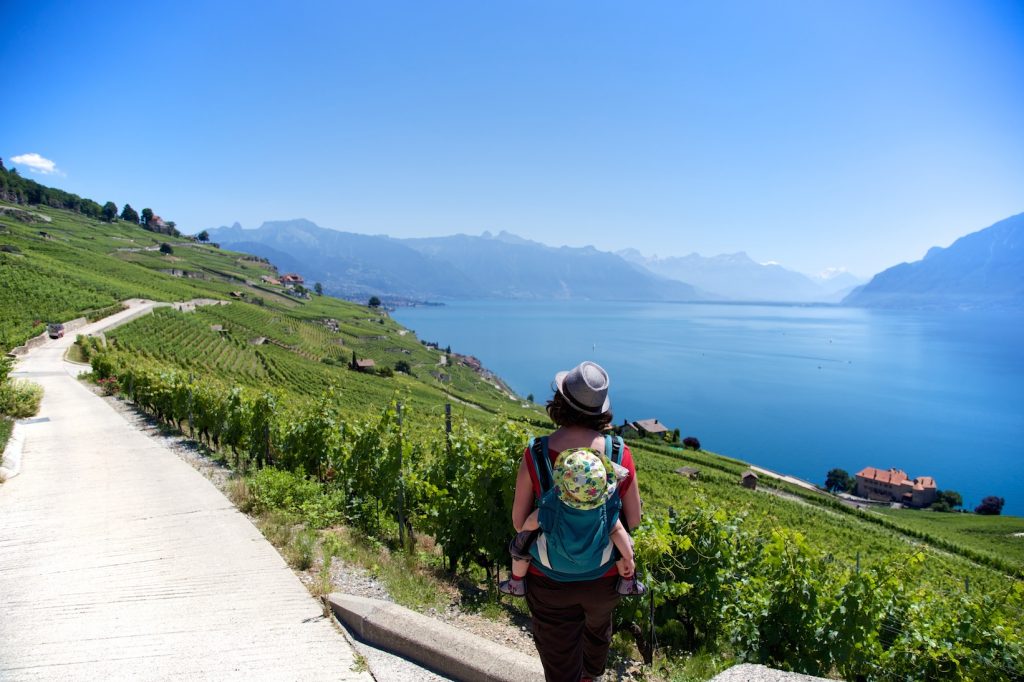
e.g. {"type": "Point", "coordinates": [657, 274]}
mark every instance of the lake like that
{"type": "Point", "coordinates": [796, 389]}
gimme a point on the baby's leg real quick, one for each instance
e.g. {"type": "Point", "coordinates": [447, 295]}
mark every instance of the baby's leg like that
{"type": "Point", "coordinates": [519, 568]}
{"type": "Point", "coordinates": [628, 584]}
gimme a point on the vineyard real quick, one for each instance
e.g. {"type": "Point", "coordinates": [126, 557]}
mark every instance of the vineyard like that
{"type": "Point", "coordinates": [767, 579]}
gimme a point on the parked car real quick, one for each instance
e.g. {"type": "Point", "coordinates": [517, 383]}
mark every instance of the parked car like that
{"type": "Point", "coordinates": [55, 330]}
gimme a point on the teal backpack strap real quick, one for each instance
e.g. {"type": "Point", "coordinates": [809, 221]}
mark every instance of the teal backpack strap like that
{"type": "Point", "coordinates": [613, 447]}
{"type": "Point", "coordinates": [542, 463]}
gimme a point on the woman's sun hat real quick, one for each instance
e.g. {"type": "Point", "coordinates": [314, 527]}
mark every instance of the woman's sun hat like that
{"type": "Point", "coordinates": [585, 387]}
{"type": "Point", "coordinates": [584, 478]}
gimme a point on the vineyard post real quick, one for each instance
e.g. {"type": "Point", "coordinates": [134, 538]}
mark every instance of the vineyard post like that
{"type": "Point", "coordinates": [858, 562]}
{"type": "Point", "coordinates": [131, 384]}
{"type": "Point", "coordinates": [191, 430]}
{"type": "Point", "coordinates": [401, 483]}
{"type": "Point", "coordinates": [649, 654]}
{"type": "Point", "coordinates": [266, 443]}
{"type": "Point", "coordinates": [448, 426]}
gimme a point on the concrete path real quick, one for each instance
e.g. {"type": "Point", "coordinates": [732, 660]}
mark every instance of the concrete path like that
{"type": "Point", "coordinates": [120, 561]}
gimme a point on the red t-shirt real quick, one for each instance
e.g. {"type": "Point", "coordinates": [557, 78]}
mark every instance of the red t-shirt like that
{"type": "Point", "coordinates": [627, 462]}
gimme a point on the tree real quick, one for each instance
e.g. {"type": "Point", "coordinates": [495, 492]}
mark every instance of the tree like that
{"type": "Point", "coordinates": [147, 215]}
{"type": "Point", "coordinates": [110, 212]}
{"type": "Point", "coordinates": [403, 366]}
{"type": "Point", "coordinates": [839, 481]}
{"type": "Point", "coordinates": [319, 289]}
{"type": "Point", "coordinates": [165, 248]}
{"type": "Point", "coordinates": [374, 302]}
{"type": "Point", "coordinates": [129, 214]}
{"type": "Point", "coordinates": [203, 236]}
{"type": "Point", "coordinates": [947, 500]}
{"type": "Point", "coordinates": [990, 506]}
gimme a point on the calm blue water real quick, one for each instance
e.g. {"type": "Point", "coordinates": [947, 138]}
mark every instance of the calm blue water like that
{"type": "Point", "coordinates": [796, 389]}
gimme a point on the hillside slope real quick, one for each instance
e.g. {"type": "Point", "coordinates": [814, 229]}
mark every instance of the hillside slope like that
{"type": "Point", "coordinates": [58, 265]}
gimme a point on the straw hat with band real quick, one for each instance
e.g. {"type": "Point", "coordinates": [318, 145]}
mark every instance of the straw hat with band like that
{"type": "Point", "coordinates": [585, 388]}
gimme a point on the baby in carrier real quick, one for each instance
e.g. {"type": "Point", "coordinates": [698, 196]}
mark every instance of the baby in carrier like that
{"type": "Point", "coordinates": [583, 479]}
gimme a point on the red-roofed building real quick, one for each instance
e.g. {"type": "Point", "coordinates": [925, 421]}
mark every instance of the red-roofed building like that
{"type": "Point", "coordinates": [893, 485]}
{"type": "Point", "coordinates": [292, 278]}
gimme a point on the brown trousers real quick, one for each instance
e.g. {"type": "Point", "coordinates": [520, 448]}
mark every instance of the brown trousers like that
{"type": "Point", "coordinates": [572, 625]}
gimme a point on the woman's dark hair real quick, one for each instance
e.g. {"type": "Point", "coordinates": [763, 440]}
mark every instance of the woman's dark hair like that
{"type": "Point", "coordinates": [564, 414]}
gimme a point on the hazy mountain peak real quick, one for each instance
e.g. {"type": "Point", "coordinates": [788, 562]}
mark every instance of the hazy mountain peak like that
{"type": "Point", "coordinates": [984, 269]}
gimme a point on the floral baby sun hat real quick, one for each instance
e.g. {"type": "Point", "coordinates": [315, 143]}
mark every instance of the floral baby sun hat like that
{"type": "Point", "coordinates": [585, 478]}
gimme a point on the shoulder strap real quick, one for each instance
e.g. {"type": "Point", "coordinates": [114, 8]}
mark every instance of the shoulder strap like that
{"type": "Point", "coordinates": [613, 447]}
{"type": "Point", "coordinates": [542, 463]}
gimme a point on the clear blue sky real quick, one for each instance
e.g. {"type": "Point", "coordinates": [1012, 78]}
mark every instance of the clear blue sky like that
{"type": "Point", "coordinates": [816, 134]}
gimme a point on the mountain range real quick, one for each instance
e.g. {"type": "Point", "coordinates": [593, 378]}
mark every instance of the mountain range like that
{"type": "Point", "coordinates": [984, 269]}
{"type": "Point", "coordinates": [738, 277]}
{"type": "Point", "coordinates": [456, 267]}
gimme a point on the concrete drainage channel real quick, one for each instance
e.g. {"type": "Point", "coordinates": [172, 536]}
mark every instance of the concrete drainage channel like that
{"type": "Point", "coordinates": [463, 656]}
{"type": "Point", "coordinates": [438, 646]}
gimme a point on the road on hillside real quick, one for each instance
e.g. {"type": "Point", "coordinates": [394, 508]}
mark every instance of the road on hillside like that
{"type": "Point", "coordinates": [120, 561]}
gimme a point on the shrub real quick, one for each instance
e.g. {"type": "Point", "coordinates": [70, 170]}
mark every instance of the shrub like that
{"type": "Point", "coordinates": [691, 443]}
{"type": "Point", "coordinates": [20, 399]}
{"type": "Point", "coordinates": [990, 506]}
{"type": "Point", "coordinates": [273, 489]}
{"type": "Point", "coordinates": [302, 549]}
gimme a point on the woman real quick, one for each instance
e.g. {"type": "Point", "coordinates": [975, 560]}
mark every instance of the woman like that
{"type": "Point", "coordinates": [572, 620]}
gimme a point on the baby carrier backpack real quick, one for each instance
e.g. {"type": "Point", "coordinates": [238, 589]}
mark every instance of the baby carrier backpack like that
{"type": "Point", "coordinates": [575, 543]}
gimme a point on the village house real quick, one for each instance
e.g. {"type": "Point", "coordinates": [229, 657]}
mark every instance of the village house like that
{"type": "Point", "coordinates": [895, 486]}
{"type": "Point", "coordinates": [749, 479]}
{"type": "Point", "coordinates": [643, 428]}
{"type": "Point", "coordinates": [292, 279]}
{"type": "Point", "coordinates": [267, 279]}
{"type": "Point", "coordinates": [471, 362]}
{"type": "Point", "coordinates": [363, 365]}
{"type": "Point", "coordinates": [689, 472]}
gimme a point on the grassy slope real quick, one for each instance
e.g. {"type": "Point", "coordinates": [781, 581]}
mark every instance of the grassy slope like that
{"type": "Point", "coordinates": [847, 536]}
{"type": "Point", "coordinates": [80, 267]}
{"type": "Point", "coordinates": [6, 425]}
{"type": "Point", "coordinates": [991, 535]}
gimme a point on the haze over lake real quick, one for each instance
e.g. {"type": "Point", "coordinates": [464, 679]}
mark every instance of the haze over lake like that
{"type": "Point", "coordinates": [796, 389]}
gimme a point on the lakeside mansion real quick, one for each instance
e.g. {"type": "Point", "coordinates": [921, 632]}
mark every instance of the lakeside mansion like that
{"type": "Point", "coordinates": [895, 486]}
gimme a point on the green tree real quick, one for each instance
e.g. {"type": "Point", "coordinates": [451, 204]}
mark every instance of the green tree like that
{"type": "Point", "coordinates": [129, 214]}
{"type": "Point", "coordinates": [947, 500]}
{"type": "Point", "coordinates": [203, 236]}
{"type": "Point", "coordinates": [374, 302]}
{"type": "Point", "coordinates": [319, 289]}
{"type": "Point", "coordinates": [165, 248]}
{"type": "Point", "coordinates": [110, 212]}
{"type": "Point", "coordinates": [990, 506]}
{"type": "Point", "coordinates": [839, 481]}
{"type": "Point", "coordinates": [147, 215]}
{"type": "Point", "coordinates": [403, 366]}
